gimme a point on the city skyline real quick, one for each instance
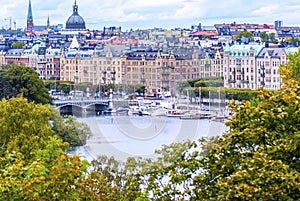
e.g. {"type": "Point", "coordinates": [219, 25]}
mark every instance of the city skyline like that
{"type": "Point", "coordinates": [148, 14]}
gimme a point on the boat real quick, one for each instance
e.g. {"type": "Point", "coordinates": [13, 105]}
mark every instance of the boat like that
{"type": "Point", "coordinates": [198, 115]}
{"type": "Point", "coordinates": [175, 113]}
{"type": "Point", "coordinates": [136, 110]}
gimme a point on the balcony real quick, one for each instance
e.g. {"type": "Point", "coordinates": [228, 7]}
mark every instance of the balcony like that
{"type": "Point", "coordinates": [231, 81]}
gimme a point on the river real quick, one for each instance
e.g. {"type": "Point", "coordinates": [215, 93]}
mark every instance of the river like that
{"type": "Point", "coordinates": [140, 136]}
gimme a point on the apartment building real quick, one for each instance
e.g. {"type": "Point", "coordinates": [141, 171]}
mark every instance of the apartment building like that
{"type": "Point", "coordinates": [44, 60]}
{"type": "Point", "coordinates": [159, 70]}
{"type": "Point", "coordinates": [239, 65]}
{"type": "Point", "coordinates": [99, 66]}
{"type": "Point", "coordinates": [254, 65]}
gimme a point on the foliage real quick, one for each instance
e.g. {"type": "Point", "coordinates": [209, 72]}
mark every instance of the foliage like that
{"type": "Point", "coordinates": [267, 37]}
{"type": "Point", "coordinates": [202, 82]}
{"type": "Point", "coordinates": [257, 159]}
{"type": "Point", "coordinates": [26, 81]}
{"type": "Point", "coordinates": [6, 90]}
{"type": "Point", "coordinates": [246, 34]}
{"type": "Point", "coordinates": [139, 88]}
{"type": "Point", "coordinates": [123, 177]}
{"type": "Point", "coordinates": [24, 126]}
{"type": "Point", "coordinates": [291, 70]}
{"type": "Point", "coordinates": [221, 92]}
{"type": "Point", "coordinates": [213, 82]}
{"type": "Point", "coordinates": [33, 163]}
{"type": "Point", "coordinates": [50, 175]}
{"type": "Point", "coordinates": [18, 45]}
{"type": "Point", "coordinates": [70, 130]}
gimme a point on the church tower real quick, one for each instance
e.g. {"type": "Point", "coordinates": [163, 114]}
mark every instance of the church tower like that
{"type": "Point", "coordinates": [29, 18]}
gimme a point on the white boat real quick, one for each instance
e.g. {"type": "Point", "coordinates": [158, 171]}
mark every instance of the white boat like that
{"type": "Point", "coordinates": [136, 110]}
{"type": "Point", "coordinates": [158, 112]}
{"type": "Point", "coordinates": [175, 113]}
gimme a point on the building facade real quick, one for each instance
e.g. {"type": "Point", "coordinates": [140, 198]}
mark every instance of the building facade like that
{"type": "Point", "coordinates": [239, 65]}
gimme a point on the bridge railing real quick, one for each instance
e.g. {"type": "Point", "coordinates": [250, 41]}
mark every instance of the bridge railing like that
{"type": "Point", "coordinates": [81, 101]}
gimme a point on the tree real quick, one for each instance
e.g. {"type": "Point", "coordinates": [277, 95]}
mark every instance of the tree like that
{"type": "Point", "coordinates": [264, 36]}
{"type": "Point", "coordinates": [33, 163]}
{"type": "Point", "coordinates": [18, 45]}
{"type": "Point", "coordinates": [291, 70]}
{"type": "Point", "coordinates": [24, 126]}
{"type": "Point", "coordinates": [246, 34]}
{"type": "Point", "coordinates": [70, 130]}
{"type": "Point", "coordinates": [257, 159]}
{"type": "Point", "coordinates": [26, 81]}
{"type": "Point", "coordinates": [6, 90]}
{"type": "Point", "coordinates": [50, 174]}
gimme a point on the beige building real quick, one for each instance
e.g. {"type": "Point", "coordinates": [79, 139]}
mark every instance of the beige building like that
{"type": "Point", "coordinates": [99, 66]}
{"type": "Point", "coordinates": [162, 71]}
{"type": "Point", "coordinates": [209, 65]}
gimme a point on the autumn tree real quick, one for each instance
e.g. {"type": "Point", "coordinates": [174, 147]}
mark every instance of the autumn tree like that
{"type": "Point", "coordinates": [257, 159]}
{"type": "Point", "coordinates": [33, 161]}
{"type": "Point", "coordinates": [24, 126]}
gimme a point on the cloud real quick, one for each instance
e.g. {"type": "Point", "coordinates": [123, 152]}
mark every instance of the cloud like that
{"type": "Point", "coordinates": [145, 13]}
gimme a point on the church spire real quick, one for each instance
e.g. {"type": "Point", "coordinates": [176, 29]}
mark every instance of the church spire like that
{"type": "Point", "coordinates": [29, 18]}
{"type": "Point", "coordinates": [48, 22]}
{"type": "Point", "coordinates": [75, 9]}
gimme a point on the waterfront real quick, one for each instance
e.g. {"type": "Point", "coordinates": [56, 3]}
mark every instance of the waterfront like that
{"type": "Point", "coordinates": [140, 136]}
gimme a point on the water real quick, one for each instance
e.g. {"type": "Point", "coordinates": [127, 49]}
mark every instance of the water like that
{"type": "Point", "coordinates": [140, 136]}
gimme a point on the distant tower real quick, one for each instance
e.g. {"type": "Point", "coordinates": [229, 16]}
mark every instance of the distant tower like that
{"type": "Point", "coordinates": [29, 18]}
{"type": "Point", "coordinates": [278, 23]}
{"type": "Point", "coordinates": [48, 22]}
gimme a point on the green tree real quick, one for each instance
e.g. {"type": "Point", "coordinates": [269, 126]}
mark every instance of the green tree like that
{"type": "Point", "coordinates": [264, 36]}
{"type": "Point", "coordinates": [139, 88]}
{"type": "Point", "coordinates": [24, 126]}
{"type": "Point", "coordinates": [18, 45]}
{"type": "Point", "coordinates": [272, 37]}
{"type": "Point", "coordinates": [70, 130]}
{"type": "Point", "coordinates": [291, 70]}
{"type": "Point", "coordinates": [33, 163]}
{"type": "Point", "coordinates": [6, 90]}
{"type": "Point", "coordinates": [246, 34]}
{"type": "Point", "coordinates": [26, 81]}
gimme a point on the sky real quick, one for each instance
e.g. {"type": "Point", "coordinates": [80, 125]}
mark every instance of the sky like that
{"type": "Point", "coordinates": [142, 14]}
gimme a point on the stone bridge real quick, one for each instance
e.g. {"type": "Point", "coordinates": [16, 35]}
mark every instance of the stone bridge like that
{"type": "Point", "coordinates": [82, 106]}
{"type": "Point", "coordinates": [87, 106]}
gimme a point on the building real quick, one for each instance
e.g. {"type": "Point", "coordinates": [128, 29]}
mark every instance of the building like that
{"type": "Point", "coordinates": [30, 25]}
{"type": "Point", "coordinates": [160, 70]}
{"type": "Point", "coordinates": [278, 23]}
{"type": "Point", "coordinates": [75, 21]}
{"type": "Point", "coordinates": [267, 63]}
{"type": "Point", "coordinates": [253, 66]}
{"type": "Point", "coordinates": [99, 66]}
{"type": "Point", "coordinates": [209, 63]}
{"type": "Point", "coordinates": [44, 60]}
{"type": "Point", "coordinates": [239, 65]}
